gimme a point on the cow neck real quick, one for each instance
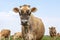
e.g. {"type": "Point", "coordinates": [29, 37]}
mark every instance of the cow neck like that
{"type": "Point", "coordinates": [28, 28]}
{"type": "Point", "coordinates": [31, 23]}
{"type": "Point", "coordinates": [31, 19]}
{"type": "Point", "coordinates": [25, 29]}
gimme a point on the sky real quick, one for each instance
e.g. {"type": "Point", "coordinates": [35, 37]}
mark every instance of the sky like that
{"type": "Point", "coordinates": [48, 11]}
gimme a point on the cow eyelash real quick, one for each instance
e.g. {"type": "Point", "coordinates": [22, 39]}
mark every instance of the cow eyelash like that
{"type": "Point", "coordinates": [28, 12]}
{"type": "Point", "coordinates": [22, 11]}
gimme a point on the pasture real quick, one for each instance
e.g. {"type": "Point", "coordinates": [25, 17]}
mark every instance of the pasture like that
{"type": "Point", "coordinates": [44, 38]}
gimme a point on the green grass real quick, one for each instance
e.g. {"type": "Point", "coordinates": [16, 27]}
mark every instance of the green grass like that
{"type": "Point", "coordinates": [44, 38]}
{"type": "Point", "coordinates": [49, 38]}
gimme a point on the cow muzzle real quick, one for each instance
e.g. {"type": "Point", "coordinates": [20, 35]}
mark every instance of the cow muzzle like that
{"type": "Point", "coordinates": [24, 22]}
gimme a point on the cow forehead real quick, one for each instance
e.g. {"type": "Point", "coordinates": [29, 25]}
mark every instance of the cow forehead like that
{"type": "Point", "coordinates": [25, 8]}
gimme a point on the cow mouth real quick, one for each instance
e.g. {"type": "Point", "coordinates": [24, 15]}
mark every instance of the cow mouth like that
{"type": "Point", "coordinates": [24, 24]}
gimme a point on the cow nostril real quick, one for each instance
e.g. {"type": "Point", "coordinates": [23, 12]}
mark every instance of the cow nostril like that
{"type": "Point", "coordinates": [23, 22]}
{"type": "Point", "coordinates": [32, 39]}
{"type": "Point", "coordinates": [26, 22]}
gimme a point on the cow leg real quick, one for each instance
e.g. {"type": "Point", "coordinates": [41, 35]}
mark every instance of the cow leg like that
{"type": "Point", "coordinates": [9, 37]}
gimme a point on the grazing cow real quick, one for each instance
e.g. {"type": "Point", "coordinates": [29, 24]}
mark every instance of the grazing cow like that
{"type": "Point", "coordinates": [5, 33]}
{"type": "Point", "coordinates": [32, 27]}
{"type": "Point", "coordinates": [52, 31]}
{"type": "Point", "coordinates": [30, 36]}
{"type": "Point", "coordinates": [0, 35]}
{"type": "Point", "coordinates": [17, 35]}
{"type": "Point", "coordinates": [58, 34]}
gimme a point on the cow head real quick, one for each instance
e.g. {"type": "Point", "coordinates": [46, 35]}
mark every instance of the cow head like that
{"type": "Point", "coordinates": [52, 31]}
{"type": "Point", "coordinates": [24, 12]}
{"type": "Point", "coordinates": [29, 36]}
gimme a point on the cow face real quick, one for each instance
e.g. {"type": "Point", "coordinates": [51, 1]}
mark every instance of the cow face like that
{"type": "Point", "coordinates": [52, 31]}
{"type": "Point", "coordinates": [24, 12]}
{"type": "Point", "coordinates": [29, 36]}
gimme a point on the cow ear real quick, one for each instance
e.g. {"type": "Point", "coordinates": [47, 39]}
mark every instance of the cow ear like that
{"type": "Point", "coordinates": [16, 10]}
{"type": "Point", "coordinates": [33, 9]}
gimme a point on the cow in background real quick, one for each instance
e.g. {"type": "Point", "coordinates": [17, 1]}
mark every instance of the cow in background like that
{"type": "Point", "coordinates": [58, 34]}
{"type": "Point", "coordinates": [5, 33]}
{"type": "Point", "coordinates": [52, 32]}
{"type": "Point", "coordinates": [0, 35]}
{"type": "Point", "coordinates": [32, 27]}
{"type": "Point", "coordinates": [17, 35]}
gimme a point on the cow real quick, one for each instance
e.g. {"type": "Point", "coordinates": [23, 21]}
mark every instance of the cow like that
{"type": "Point", "coordinates": [32, 27]}
{"type": "Point", "coordinates": [0, 35]}
{"type": "Point", "coordinates": [17, 35]}
{"type": "Point", "coordinates": [58, 34]}
{"type": "Point", "coordinates": [30, 36]}
{"type": "Point", "coordinates": [5, 33]}
{"type": "Point", "coordinates": [52, 32]}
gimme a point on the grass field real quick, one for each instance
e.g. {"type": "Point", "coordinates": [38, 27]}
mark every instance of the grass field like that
{"type": "Point", "coordinates": [49, 38]}
{"type": "Point", "coordinates": [44, 38]}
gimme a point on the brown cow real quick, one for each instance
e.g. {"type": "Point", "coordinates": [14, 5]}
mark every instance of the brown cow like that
{"type": "Point", "coordinates": [32, 27]}
{"type": "Point", "coordinates": [58, 34]}
{"type": "Point", "coordinates": [5, 33]}
{"type": "Point", "coordinates": [52, 31]}
{"type": "Point", "coordinates": [0, 35]}
{"type": "Point", "coordinates": [17, 35]}
{"type": "Point", "coordinates": [30, 36]}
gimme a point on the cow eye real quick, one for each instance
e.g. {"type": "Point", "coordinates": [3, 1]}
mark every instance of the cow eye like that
{"type": "Point", "coordinates": [28, 12]}
{"type": "Point", "coordinates": [22, 11]}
